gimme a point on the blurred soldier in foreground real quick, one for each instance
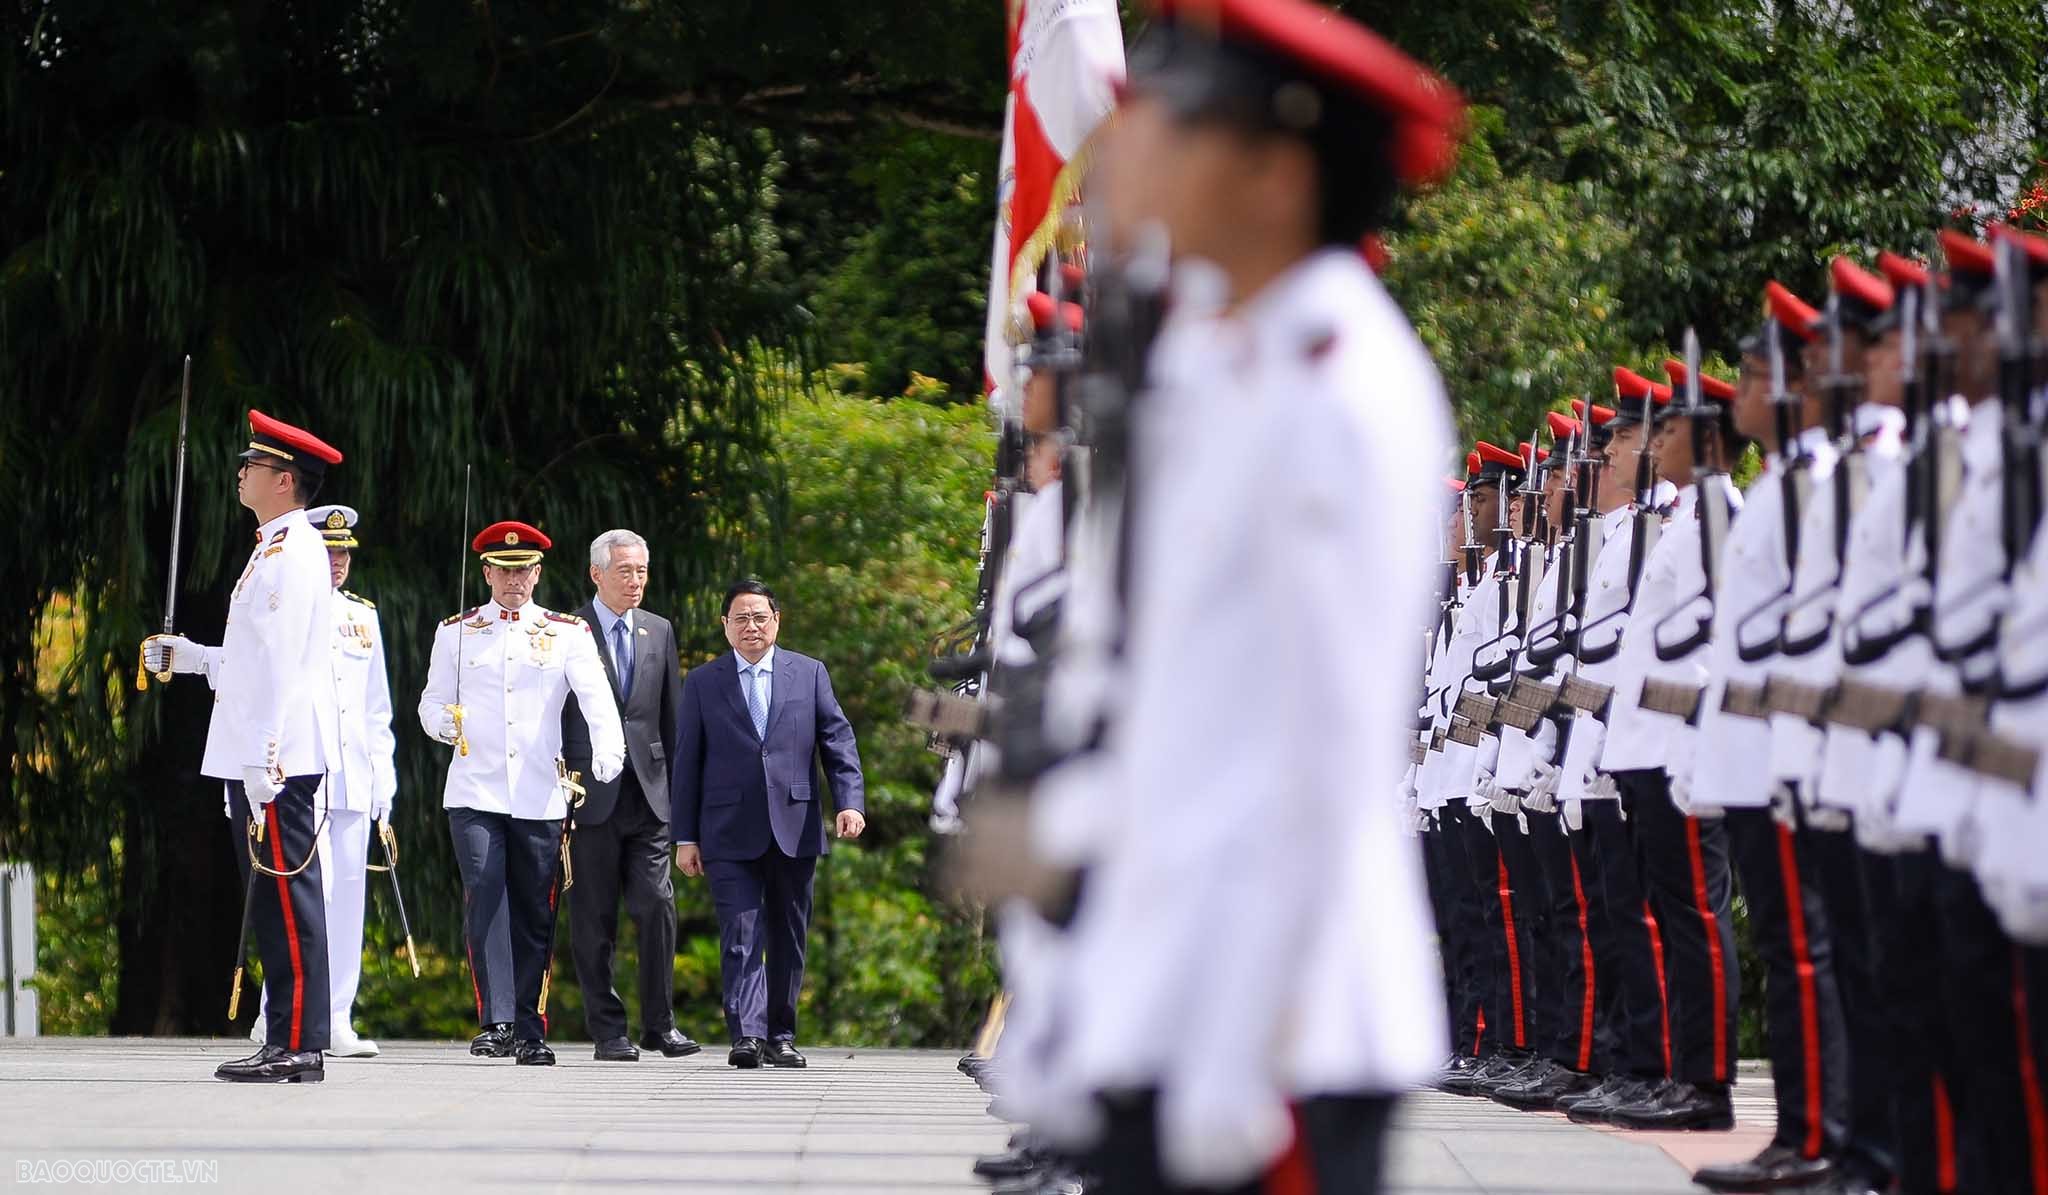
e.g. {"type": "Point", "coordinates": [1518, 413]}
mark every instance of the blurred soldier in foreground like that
{"type": "Point", "coordinates": [1256, 930]}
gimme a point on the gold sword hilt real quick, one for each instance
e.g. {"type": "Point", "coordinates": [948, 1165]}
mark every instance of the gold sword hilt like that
{"type": "Point", "coordinates": [461, 739]}
{"type": "Point", "coordinates": [142, 672]}
{"type": "Point", "coordinates": [235, 993]}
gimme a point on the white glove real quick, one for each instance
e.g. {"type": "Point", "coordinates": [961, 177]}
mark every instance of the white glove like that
{"type": "Point", "coordinates": [1575, 815]}
{"type": "Point", "coordinates": [445, 732]}
{"type": "Point", "coordinates": [1213, 1134]}
{"type": "Point", "coordinates": [258, 786]}
{"type": "Point", "coordinates": [173, 653]}
{"type": "Point", "coordinates": [1681, 794]}
{"type": "Point", "coordinates": [380, 807]}
{"type": "Point", "coordinates": [1603, 788]}
{"type": "Point", "coordinates": [1543, 794]}
{"type": "Point", "coordinates": [606, 768]}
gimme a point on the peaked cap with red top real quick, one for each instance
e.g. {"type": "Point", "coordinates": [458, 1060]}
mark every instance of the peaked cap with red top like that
{"type": "Point", "coordinates": [1213, 52]}
{"type": "Point", "coordinates": [511, 544]}
{"type": "Point", "coordinates": [2035, 247]}
{"type": "Point", "coordinates": [275, 440]}
{"type": "Point", "coordinates": [1711, 387]}
{"type": "Point", "coordinates": [1793, 313]}
{"type": "Point", "coordinates": [1862, 297]}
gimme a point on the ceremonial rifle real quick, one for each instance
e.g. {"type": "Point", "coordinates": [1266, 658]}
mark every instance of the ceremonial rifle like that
{"type": "Point", "coordinates": [1792, 484]}
{"type": "Point", "coordinates": [1711, 507]}
{"type": "Point", "coordinates": [1843, 391]}
{"type": "Point", "coordinates": [177, 527]}
{"type": "Point", "coordinates": [1647, 523]}
{"type": "Point", "coordinates": [2019, 358]}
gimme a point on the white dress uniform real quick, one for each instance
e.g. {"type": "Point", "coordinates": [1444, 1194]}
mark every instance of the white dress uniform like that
{"type": "Point", "coordinates": [1258, 929]}
{"type": "Point", "coordinates": [2013, 866]}
{"type": "Point", "coordinates": [1797, 745]}
{"type": "Point", "coordinates": [1645, 738]}
{"type": "Point", "coordinates": [1732, 767]}
{"type": "Point", "coordinates": [272, 690]}
{"type": "Point", "coordinates": [518, 668]}
{"type": "Point", "coordinates": [1520, 753]}
{"type": "Point", "coordinates": [1606, 617]}
{"type": "Point", "coordinates": [1935, 796]}
{"type": "Point", "coordinates": [1449, 775]}
{"type": "Point", "coordinates": [1880, 593]}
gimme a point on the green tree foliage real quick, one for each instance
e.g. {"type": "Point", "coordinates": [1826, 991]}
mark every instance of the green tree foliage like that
{"type": "Point", "coordinates": [1511, 282]}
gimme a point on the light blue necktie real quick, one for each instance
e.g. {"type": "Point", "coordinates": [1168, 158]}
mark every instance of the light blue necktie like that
{"type": "Point", "coordinates": [755, 705]}
{"type": "Point", "coordinates": [622, 656]}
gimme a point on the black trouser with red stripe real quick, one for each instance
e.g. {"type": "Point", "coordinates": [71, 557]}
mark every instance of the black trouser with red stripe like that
{"type": "Point", "coordinates": [1627, 941]}
{"type": "Point", "coordinates": [1802, 1008]}
{"type": "Point", "coordinates": [289, 912]}
{"type": "Point", "coordinates": [1338, 1145]}
{"type": "Point", "coordinates": [1870, 1151]}
{"type": "Point", "coordinates": [1461, 929]}
{"type": "Point", "coordinates": [1524, 914]}
{"type": "Point", "coordinates": [1567, 985]}
{"type": "Point", "coordinates": [509, 867]}
{"type": "Point", "coordinates": [1999, 1129]}
{"type": "Point", "coordinates": [1905, 942]}
{"type": "Point", "coordinates": [1499, 950]}
{"type": "Point", "coordinates": [1685, 875]}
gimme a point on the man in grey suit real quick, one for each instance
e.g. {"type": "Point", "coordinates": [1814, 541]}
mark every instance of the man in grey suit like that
{"type": "Point", "coordinates": [749, 796]}
{"type": "Point", "coordinates": [621, 836]}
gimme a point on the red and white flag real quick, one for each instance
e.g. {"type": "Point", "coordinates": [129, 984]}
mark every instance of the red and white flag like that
{"type": "Point", "coordinates": [1066, 61]}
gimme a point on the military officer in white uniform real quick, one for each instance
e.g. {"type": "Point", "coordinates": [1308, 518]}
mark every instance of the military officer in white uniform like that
{"type": "Point", "coordinates": [495, 690]}
{"type": "Point", "coordinates": [1256, 741]}
{"type": "Point", "coordinates": [272, 739]}
{"type": "Point", "coordinates": [358, 792]}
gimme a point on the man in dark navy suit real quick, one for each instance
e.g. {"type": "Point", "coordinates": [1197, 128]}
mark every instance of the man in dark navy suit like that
{"type": "Point", "coordinates": [747, 792]}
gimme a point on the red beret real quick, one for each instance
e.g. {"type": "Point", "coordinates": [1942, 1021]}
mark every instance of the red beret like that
{"type": "Point", "coordinates": [1562, 426]}
{"type": "Point", "coordinates": [1854, 282]}
{"type": "Point", "coordinates": [1600, 414]}
{"type": "Point", "coordinates": [1491, 455]}
{"type": "Point", "coordinates": [1630, 385]}
{"type": "Point", "coordinates": [2035, 247]}
{"type": "Point", "coordinates": [1901, 272]}
{"type": "Point", "coordinates": [275, 438]}
{"type": "Point", "coordinates": [1793, 313]}
{"type": "Point", "coordinates": [1966, 254]}
{"type": "Point", "coordinates": [511, 544]}
{"type": "Point", "coordinates": [1426, 113]}
{"type": "Point", "coordinates": [1710, 386]}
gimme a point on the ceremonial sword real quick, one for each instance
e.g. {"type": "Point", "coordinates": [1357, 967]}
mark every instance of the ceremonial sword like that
{"type": "Point", "coordinates": [389, 837]}
{"type": "Point", "coordinates": [177, 526]}
{"type": "Point", "coordinates": [461, 614]}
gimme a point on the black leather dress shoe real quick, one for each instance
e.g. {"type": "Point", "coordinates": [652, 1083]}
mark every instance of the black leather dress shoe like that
{"type": "Point", "coordinates": [274, 1064]}
{"type": "Point", "coordinates": [1776, 1168]}
{"type": "Point", "coordinates": [1541, 1092]}
{"type": "Point", "coordinates": [1594, 1106]}
{"type": "Point", "coordinates": [1598, 1091]}
{"type": "Point", "coordinates": [746, 1053]}
{"type": "Point", "coordinates": [616, 1049]}
{"type": "Point", "coordinates": [1509, 1071]}
{"type": "Point", "coordinates": [1006, 1166]}
{"type": "Point", "coordinates": [494, 1042]}
{"type": "Point", "coordinates": [783, 1052]}
{"type": "Point", "coordinates": [533, 1052]}
{"type": "Point", "coordinates": [672, 1043]}
{"type": "Point", "coordinates": [1673, 1105]}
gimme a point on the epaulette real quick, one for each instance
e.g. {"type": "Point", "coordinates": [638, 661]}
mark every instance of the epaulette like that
{"type": "Point", "coordinates": [571, 619]}
{"type": "Point", "coordinates": [360, 599]}
{"type": "Point", "coordinates": [452, 619]}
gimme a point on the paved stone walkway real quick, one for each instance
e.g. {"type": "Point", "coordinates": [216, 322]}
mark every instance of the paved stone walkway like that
{"type": "Point", "coordinates": [427, 1117]}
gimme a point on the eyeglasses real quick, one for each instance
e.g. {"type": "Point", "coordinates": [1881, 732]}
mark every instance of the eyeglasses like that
{"type": "Point", "coordinates": [749, 620]}
{"type": "Point", "coordinates": [248, 465]}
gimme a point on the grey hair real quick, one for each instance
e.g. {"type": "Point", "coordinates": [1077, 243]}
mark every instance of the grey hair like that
{"type": "Point", "coordinates": [601, 547]}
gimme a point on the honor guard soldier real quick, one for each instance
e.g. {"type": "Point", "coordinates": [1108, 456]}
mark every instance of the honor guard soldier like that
{"type": "Point", "coordinates": [272, 739]}
{"type": "Point", "coordinates": [1256, 741]}
{"type": "Point", "coordinates": [360, 788]}
{"type": "Point", "coordinates": [500, 675]}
